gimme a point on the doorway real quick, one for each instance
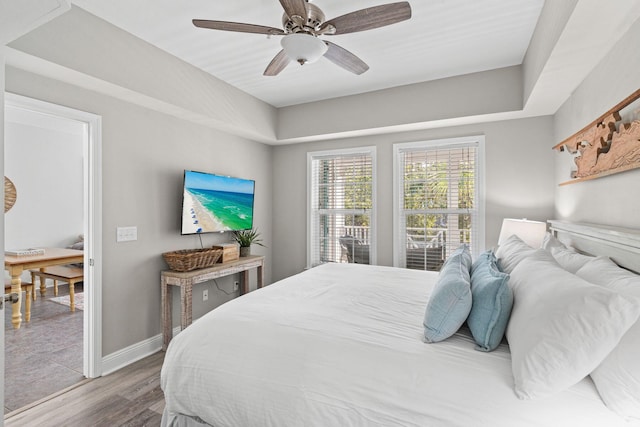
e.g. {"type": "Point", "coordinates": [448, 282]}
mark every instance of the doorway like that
{"type": "Point", "coordinates": [59, 151]}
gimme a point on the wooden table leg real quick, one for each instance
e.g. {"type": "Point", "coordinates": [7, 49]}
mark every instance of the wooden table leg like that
{"type": "Point", "coordinates": [16, 316]}
{"type": "Point", "coordinates": [244, 279]}
{"type": "Point", "coordinates": [260, 275]}
{"type": "Point", "coordinates": [167, 327]}
{"type": "Point", "coordinates": [186, 313]}
{"type": "Point", "coordinates": [33, 282]}
{"type": "Point", "coordinates": [43, 285]}
{"type": "Point", "coordinates": [72, 296]}
{"type": "Point", "coordinates": [27, 302]}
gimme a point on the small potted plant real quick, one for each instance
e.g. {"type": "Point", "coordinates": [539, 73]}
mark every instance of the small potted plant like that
{"type": "Point", "coordinates": [245, 238]}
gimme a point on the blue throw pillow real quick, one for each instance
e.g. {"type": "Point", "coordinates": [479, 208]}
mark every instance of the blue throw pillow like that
{"type": "Point", "coordinates": [492, 302]}
{"type": "Point", "coordinates": [450, 301]}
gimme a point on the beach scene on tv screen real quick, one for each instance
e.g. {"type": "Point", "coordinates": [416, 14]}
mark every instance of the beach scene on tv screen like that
{"type": "Point", "coordinates": [216, 203]}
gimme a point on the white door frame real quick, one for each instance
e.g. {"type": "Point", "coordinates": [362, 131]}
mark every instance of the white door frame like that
{"type": "Point", "coordinates": [92, 227]}
{"type": "Point", "coordinates": [2, 226]}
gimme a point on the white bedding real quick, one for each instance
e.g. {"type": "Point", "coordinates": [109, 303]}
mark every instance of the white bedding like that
{"type": "Point", "coordinates": [341, 345]}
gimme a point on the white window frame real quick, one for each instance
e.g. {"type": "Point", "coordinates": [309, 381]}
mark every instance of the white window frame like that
{"type": "Point", "coordinates": [312, 155]}
{"type": "Point", "coordinates": [399, 238]}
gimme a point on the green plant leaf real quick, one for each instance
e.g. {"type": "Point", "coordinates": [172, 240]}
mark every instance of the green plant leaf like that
{"type": "Point", "coordinates": [246, 238]}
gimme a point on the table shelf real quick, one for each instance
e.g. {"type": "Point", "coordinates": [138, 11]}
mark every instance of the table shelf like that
{"type": "Point", "coordinates": [185, 281]}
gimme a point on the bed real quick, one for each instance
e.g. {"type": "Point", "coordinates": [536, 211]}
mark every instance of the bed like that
{"type": "Point", "coordinates": [343, 345]}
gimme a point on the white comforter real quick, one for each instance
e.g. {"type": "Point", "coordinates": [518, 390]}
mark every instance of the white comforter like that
{"type": "Point", "coordinates": [341, 345]}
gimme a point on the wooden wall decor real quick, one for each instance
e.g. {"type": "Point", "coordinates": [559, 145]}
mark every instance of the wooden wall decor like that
{"type": "Point", "coordinates": [10, 194]}
{"type": "Point", "coordinates": [606, 146]}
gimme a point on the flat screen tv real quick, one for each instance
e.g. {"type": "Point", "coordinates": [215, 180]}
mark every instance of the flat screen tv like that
{"type": "Point", "coordinates": [215, 203]}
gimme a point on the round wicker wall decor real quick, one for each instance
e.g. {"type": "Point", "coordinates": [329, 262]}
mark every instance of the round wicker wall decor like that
{"type": "Point", "coordinates": [10, 194]}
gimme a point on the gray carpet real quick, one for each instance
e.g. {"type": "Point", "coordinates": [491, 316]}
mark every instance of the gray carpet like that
{"type": "Point", "coordinates": [45, 355]}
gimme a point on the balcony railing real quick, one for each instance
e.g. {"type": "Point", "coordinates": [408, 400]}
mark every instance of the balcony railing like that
{"type": "Point", "coordinates": [434, 237]}
{"type": "Point", "coordinates": [426, 248]}
{"type": "Point", "coordinates": [358, 232]}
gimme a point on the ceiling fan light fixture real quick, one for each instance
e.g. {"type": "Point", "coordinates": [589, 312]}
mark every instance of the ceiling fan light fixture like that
{"type": "Point", "coordinates": [303, 48]}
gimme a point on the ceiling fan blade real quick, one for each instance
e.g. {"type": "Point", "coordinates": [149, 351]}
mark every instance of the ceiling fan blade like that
{"type": "Point", "coordinates": [295, 8]}
{"type": "Point", "coordinates": [369, 18]}
{"type": "Point", "coordinates": [345, 59]}
{"type": "Point", "coordinates": [237, 26]}
{"type": "Point", "coordinates": [277, 64]}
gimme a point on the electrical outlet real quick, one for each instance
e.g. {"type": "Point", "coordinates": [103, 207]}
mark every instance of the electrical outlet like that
{"type": "Point", "coordinates": [205, 295]}
{"type": "Point", "coordinates": [236, 285]}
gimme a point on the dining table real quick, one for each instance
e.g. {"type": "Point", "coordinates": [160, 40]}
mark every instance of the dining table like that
{"type": "Point", "coordinates": [15, 265]}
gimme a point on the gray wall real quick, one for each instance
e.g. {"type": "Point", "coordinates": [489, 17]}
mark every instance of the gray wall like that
{"type": "Point", "coordinates": [159, 117]}
{"type": "Point", "coordinates": [144, 154]}
{"type": "Point", "coordinates": [48, 211]}
{"type": "Point", "coordinates": [449, 98]}
{"type": "Point", "coordinates": [519, 183]}
{"type": "Point", "coordinates": [615, 199]}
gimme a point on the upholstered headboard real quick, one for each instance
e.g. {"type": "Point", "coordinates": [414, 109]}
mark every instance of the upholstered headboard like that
{"type": "Point", "coordinates": [622, 245]}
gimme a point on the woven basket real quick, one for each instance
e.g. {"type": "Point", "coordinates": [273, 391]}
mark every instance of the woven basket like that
{"type": "Point", "coordinates": [9, 194]}
{"type": "Point", "coordinates": [192, 259]}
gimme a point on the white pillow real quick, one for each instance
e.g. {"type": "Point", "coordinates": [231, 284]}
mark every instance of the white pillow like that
{"type": "Point", "coordinates": [550, 241]}
{"type": "Point", "coordinates": [618, 376]}
{"type": "Point", "coordinates": [561, 326]}
{"type": "Point", "coordinates": [566, 256]}
{"type": "Point", "coordinates": [511, 252]}
{"type": "Point", "coordinates": [569, 259]}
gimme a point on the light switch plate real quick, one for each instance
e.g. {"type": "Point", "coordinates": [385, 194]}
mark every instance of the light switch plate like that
{"type": "Point", "coordinates": [127, 234]}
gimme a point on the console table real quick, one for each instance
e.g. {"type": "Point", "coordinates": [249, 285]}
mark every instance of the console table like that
{"type": "Point", "coordinates": [186, 280]}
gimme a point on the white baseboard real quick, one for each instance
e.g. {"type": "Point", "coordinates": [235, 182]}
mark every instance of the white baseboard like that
{"type": "Point", "coordinates": [133, 353]}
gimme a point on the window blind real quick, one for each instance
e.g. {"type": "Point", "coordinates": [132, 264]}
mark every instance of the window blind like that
{"type": "Point", "coordinates": [341, 207]}
{"type": "Point", "coordinates": [438, 210]}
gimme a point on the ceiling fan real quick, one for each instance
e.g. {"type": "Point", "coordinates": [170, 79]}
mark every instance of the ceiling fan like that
{"type": "Point", "coordinates": [304, 22]}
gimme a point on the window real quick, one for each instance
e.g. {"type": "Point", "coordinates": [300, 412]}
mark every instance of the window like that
{"type": "Point", "coordinates": [341, 193]}
{"type": "Point", "coordinates": [437, 201]}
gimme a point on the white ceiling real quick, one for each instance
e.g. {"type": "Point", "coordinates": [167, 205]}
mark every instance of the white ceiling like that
{"type": "Point", "coordinates": [443, 38]}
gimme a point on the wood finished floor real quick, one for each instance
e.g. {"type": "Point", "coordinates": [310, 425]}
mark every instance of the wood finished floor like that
{"type": "Point", "coordinates": [45, 355]}
{"type": "Point", "coordinates": [129, 397]}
